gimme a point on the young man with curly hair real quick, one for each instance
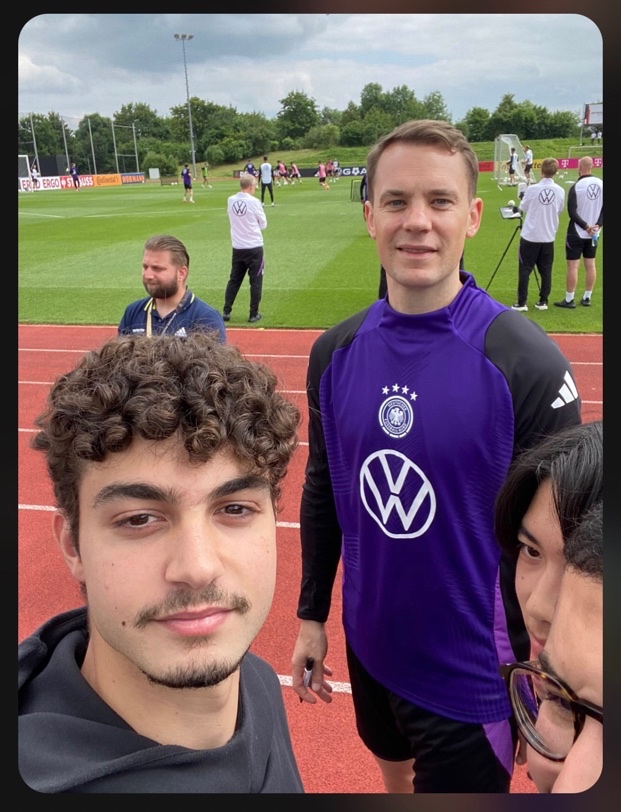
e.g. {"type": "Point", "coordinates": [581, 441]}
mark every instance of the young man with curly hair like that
{"type": "Point", "coordinates": [166, 455]}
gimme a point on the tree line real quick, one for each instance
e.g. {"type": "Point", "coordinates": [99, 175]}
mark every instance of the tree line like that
{"type": "Point", "coordinates": [224, 135]}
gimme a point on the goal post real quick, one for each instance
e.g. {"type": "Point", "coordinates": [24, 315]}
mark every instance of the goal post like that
{"type": "Point", "coordinates": [23, 167]}
{"type": "Point", "coordinates": [584, 149]}
{"type": "Point", "coordinates": [24, 176]}
{"type": "Point", "coordinates": [502, 151]}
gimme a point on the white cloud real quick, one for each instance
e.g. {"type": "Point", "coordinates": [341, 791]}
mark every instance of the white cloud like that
{"type": "Point", "coordinates": [84, 63]}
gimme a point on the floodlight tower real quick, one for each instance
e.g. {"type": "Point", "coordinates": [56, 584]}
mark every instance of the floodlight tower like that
{"type": "Point", "coordinates": [182, 38]}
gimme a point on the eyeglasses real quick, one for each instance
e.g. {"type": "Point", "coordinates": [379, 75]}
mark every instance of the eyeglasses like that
{"type": "Point", "coordinates": [548, 713]}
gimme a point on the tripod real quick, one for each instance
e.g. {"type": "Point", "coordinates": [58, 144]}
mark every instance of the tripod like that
{"type": "Point", "coordinates": [517, 228]}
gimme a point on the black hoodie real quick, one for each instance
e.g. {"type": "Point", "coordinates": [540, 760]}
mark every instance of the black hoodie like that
{"type": "Point", "coordinates": [70, 740]}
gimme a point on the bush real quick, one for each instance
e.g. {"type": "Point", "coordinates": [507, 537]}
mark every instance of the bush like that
{"type": "Point", "coordinates": [165, 163]}
{"type": "Point", "coordinates": [214, 156]}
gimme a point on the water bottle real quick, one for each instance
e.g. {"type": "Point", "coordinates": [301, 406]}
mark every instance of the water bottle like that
{"type": "Point", "coordinates": [595, 239]}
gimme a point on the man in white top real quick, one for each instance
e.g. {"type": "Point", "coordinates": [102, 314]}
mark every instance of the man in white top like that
{"type": "Point", "coordinates": [512, 165]}
{"type": "Point", "coordinates": [247, 220]}
{"type": "Point", "coordinates": [267, 180]}
{"type": "Point", "coordinates": [34, 174]}
{"type": "Point", "coordinates": [542, 203]}
{"type": "Point", "coordinates": [585, 206]}
{"type": "Point", "coordinates": [528, 163]}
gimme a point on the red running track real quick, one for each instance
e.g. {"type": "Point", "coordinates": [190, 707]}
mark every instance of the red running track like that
{"type": "Point", "coordinates": [329, 752]}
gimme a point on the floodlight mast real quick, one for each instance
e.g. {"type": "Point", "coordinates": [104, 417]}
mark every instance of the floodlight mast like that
{"type": "Point", "coordinates": [182, 38]}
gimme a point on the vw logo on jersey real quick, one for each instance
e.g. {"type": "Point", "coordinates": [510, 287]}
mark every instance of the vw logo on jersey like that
{"type": "Point", "coordinates": [397, 494]}
{"type": "Point", "coordinates": [396, 416]}
{"type": "Point", "coordinates": [240, 207]}
{"type": "Point", "coordinates": [546, 196]}
{"type": "Point", "coordinates": [593, 191]}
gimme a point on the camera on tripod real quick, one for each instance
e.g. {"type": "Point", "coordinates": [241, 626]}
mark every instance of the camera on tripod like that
{"type": "Point", "coordinates": [509, 212]}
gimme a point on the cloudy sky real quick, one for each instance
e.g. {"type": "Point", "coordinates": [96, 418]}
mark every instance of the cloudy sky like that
{"type": "Point", "coordinates": [76, 64]}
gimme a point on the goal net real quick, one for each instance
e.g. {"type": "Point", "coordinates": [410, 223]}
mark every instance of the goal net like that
{"type": "Point", "coordinates": [23, 166]}
{"type": "Point", "coordinates": [502, 153]}
{"type": "Point", "coordinates": [24, 178]}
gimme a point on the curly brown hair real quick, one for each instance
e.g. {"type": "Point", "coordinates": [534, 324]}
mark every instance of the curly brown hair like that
{"type": "Point", "coordinates": [155, 387]}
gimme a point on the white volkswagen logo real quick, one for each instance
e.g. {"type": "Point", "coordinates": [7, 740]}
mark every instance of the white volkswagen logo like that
{"type": "Point", "coordinates": [397, 494]}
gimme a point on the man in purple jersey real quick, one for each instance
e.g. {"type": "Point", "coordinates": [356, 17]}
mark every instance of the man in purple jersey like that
{"type": "Point", "coordinates": [417, 406]}
{"type": "Point", "coordinates": [186, 175]}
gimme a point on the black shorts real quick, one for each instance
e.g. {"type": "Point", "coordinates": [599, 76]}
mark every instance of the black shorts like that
{"type": "Point", "coordinates": [527, 168]}
{"type": "Point", "coordinates": [449, 756]}
{"type": "Point", "coordinates": [576, 247]}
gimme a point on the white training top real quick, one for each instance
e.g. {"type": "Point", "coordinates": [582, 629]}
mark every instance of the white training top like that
{"type": "Point", "coordinates": [247, 220]}
{"type": "Point", "coordinates": [542, 203]}
{"type": "Point", "coordinates": [266, 172]}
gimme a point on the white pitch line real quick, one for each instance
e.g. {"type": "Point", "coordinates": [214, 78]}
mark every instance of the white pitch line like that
{"type": "Point", "coordinates": [37, 214]}
{"type": "Point", "coordinates": [247, 354]}
{"type": "Point", "coordinates": [338, 687]}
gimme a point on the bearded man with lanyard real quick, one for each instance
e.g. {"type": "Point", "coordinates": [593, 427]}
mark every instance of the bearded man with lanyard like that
{"type": "Point", "coordinates": [171, 307]}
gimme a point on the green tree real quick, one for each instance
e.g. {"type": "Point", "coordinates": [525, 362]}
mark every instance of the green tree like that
{"type": "Point", "coordinates": [433, 106]}
{"type": "Point", "coordinates": [214, 156]}
{"type": "Point", "coordinates": [257, 131]}
{"type": "Point", "coordinates": [564, 124]}
{"type": "Point", "coordinates": [146, 121]}
{"type": "Point", "coordinates": [502, 120]}
{"type": "Point", "coordinates": [166, 163]}
{"type": "Point", "coordinates": [371, 96]}
{"type": "Point", "coordinates": [401, 105]}
{"type": "Point", "coordinates": [94, 135]}
{"type": "Point", "coordinates": [210, 124]}
{"type": "Point", "coordinates": [330, 115]}
{"type": "Point", "coordinates": [48, 134]}
{"type": "Point", "coordinates": [475, 124]}
{"type": "Point", "coordinates": [351, 113]}
{"type": "Point", "coordinates": [297, 115]}
{"type": "Point", "coordinates": [352, 135]}
{"type": "Point", "coordinates": [233, 149]}
{"type": "Point", "coordinates": [376, 123]}
{"type": "Point", "coordinates": [322, 137]}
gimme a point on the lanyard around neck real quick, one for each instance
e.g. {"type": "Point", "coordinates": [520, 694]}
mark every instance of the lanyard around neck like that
{"type": "Point", "coordinates": [177, 309]}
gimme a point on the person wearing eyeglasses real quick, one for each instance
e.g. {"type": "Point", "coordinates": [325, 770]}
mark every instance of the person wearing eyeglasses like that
{"type": "Point", "coordinates": [558, 698]}
{"type": "Point", "coordinates": [548, 491]}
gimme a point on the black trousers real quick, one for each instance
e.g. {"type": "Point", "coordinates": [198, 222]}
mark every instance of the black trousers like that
{"type": "Point", "coordinates": [270, 189]}
{"type": "Point", "coordinates": [531, 254]}
{"type": "Point", "coordinates": [245, 260]}
{"type": "Point", "coordinates": [450, 756]}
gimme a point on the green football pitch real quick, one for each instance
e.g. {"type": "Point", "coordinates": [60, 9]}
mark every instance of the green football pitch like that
{"type": "Point", "coordinates": [80, 254]}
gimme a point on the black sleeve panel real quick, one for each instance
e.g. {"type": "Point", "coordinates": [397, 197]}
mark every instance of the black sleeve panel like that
{"type": "Point", "coordinates": [535, 370]}
{"type": "Point", "coordinates": [540, 378]}
{"type": "Point", "coordinates": [320, 531]}
{"type": "Point", "coordinates": [572, 208]}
